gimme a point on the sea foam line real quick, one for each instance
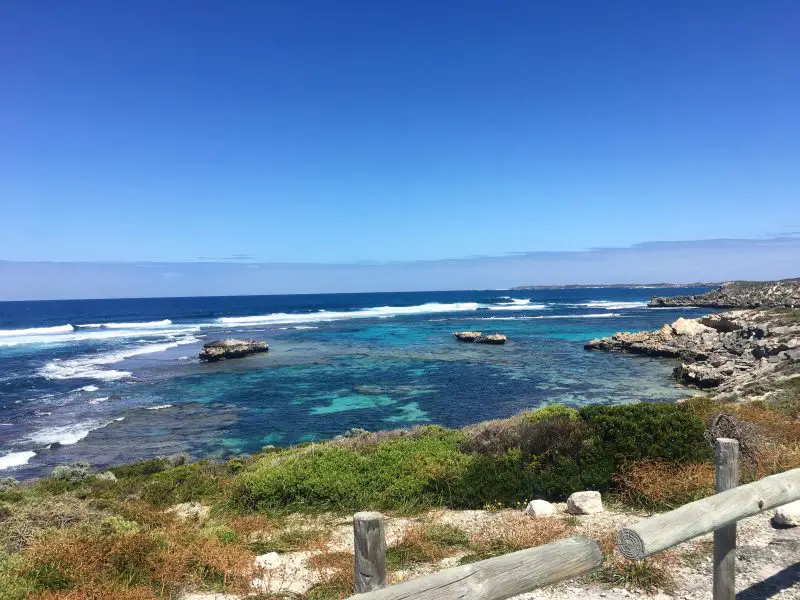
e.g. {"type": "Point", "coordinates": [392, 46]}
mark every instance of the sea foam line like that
{"type": "Point", "coordinates": [15, 459]}
{"type": "Point", "coordinates": [88, 367]}
{"type": "Point", "coordinates": [374, 312]}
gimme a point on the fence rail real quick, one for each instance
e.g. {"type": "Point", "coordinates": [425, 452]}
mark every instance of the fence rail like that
{"type": "Point", "coordinates": [519, 572]}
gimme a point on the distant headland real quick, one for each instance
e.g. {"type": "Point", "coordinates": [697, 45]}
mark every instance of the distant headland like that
{"type": "Point", "coordinates": [697, 284]}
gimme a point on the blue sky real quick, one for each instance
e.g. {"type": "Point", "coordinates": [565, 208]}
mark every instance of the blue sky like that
{"type": "Point", "coordinates": [311, 132]}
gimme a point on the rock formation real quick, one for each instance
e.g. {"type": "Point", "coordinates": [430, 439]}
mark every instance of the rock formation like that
{"type": "Point", "coordinates": [219, 349]}
{"type": "Point", "coordinates": [479, 338]}
{"type": "Point", "coordinates": [742, 294]}
{"type": "Point", "coordinates": [467, 336]}
{"type": "Point", "coordinates": [494, 338]}
{"type": "Point", "coordinates": [727, 351]}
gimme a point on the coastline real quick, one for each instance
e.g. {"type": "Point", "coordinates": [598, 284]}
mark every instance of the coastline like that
{"type": "Point", "coordinates": [277, 520]}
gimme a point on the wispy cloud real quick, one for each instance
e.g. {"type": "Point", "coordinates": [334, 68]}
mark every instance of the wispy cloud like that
{"type": "Point", "coordinates": [656, 261]}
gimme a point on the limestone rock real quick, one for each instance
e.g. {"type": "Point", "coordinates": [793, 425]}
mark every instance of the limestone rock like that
{"type": "Point", "coordinates": [742, 294]}
{"type": "Point", "coordinates": [689, 327]}
{"type": "Point", "coordinates": [584, 503]}
{"type": "Point", "coordinates": [191, 511]}
{"type": "Point", "coordinates": [467, 336]}
{"type": "Point", "coordinates": [787, 515]}
{"type": "Point", "coordinates": [494, 338]}
{"type": "Point", "coordinates": [220, 349]}
{"type": "Point", "coordinates": [540, 508]}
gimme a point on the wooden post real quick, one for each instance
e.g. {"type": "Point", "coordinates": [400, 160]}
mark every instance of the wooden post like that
{"type": "Point", "coordinates": [370, 551]}
{"type": "Point", "coordinates": [501, 577]}
{"type": "Point", "coordinates": [709, 514]}
{"type": "Point", "coordinates": [727, 466]}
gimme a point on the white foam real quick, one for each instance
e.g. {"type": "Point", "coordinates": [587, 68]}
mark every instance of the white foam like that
{"type": "Point", "coordinates": [64, 434]}
{"type": "Point", "coordinates": [36, 331]}
{"type": "Point", "coordinates": [374, 312]}
{"type": "Point", "coordinates": [528, 318]}
{"type": "Point", "coordinates": [610, 304]}
{"type": "Point", "coordinates": [144, 325]}
{"type": "Point", "coordinates": [160, 407]}
{"type": "Point", "coordinates": [99, 400]}
{"type": "Point", "coordinates": [518, 305]}
{"type": "Point", "coordinates": [89, 388]}
{"type": "Point", "coordinates": [88, 367]}
{"type": "Point", "coordinates": [15, 459]}
{"type": "Point", "coordinates": [94, 333]}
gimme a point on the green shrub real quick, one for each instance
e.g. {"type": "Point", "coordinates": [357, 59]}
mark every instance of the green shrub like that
{"type": "Point", "coordinates": [623, 434]}
{"type": "Point", "coordinates": [399, 473]}
{"type": "Point", "coordinates": [143, 467]}
{"type": "Point", "coordinates": [74, 473]}
{"type": "Point", "coordinates": [186, 483]}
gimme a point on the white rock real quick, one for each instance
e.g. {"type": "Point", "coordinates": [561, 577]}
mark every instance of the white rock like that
{"type": "Point", "coordinates": [584, 503]}
{"type": "Point", "coordinates": [689, 327]}
{"type": "Point", "coordinates": [540, 508]}
{"type": "Point", "coordinates": [191, 511]}
{"type": "Point", "coordinates": [270, 560]}
{"type": "Point", "coordinates": [787, 515]}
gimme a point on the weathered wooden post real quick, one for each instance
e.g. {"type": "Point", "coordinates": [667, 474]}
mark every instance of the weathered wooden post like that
{"type": "Point", "coordinates": [370, 551]}
{"type": "Point", "coordinates": [727, 466]}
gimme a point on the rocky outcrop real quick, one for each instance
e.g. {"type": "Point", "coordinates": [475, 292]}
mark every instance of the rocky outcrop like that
{"type": "Point", "coordinates": [494, 338]}
{"type": "Point", "coordinates": [479, 338]}
{"type": "Point", "coordinates": [223, 349]}
{"type": "Point", "coordinates": [741, 294]}
{"type": "Point", "coordinates": [727, 351]}
{"type": "Point", "coordinates": [467, 336]}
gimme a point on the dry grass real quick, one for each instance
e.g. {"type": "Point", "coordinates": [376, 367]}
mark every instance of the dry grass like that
{"type": "Point", "coordinates": [662, 485]}
{"type": "Point", "coordinates": [79, 559]}
{"type": "Point", "coordinates": [514, 531]}
{"type": "Point", "coordinates": [336, 575]}
{"type": "Point", "coordinates": [649, 575]}
{"type": "Point", "coordinates": [417, 546]}
{"type": "Point", "coordinates": [26, 522]}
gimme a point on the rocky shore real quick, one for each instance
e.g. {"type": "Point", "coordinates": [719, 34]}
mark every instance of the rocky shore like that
{"type": "Point", "coordinates": [741, 294]}
{"type": "Point", "coordinates": [738, 353]}
{"type": "Point", "coordinates": [225, 349]}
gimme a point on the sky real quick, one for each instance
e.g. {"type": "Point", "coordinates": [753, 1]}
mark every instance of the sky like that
{"type": "Point", "coordinates": [414, 144]}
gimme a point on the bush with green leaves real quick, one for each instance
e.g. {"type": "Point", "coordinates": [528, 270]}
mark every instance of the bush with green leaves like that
{"type": "Point", "coordinates": [73, 473]}
{"type": "Point", "coordinates": [548, 453]}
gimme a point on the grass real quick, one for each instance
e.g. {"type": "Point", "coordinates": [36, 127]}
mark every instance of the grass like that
{"type": "Point", "coordinates": [425, 543]}
{"type": "Point", "coordinates": [514, 532]}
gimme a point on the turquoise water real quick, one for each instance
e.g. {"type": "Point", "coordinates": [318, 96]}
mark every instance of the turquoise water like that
{"type": "Point", "coordinates": [126, 384]}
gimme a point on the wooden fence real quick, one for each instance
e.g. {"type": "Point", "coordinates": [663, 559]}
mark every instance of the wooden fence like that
{"type": "Point", "coordinates": [519, 572]}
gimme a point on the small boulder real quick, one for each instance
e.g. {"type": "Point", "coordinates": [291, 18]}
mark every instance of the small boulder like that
{"type": "Point", "coordinates": [219, 349]}
{"type": "Point", "coordinates": [540, 508]}
{"type": "Point", "coordinates": [787, 515]}
{"type": "Point", "coordinates": [467, 336]}
{"type": "Point", "coordinates": [584, 503]}
{"type": "Point", "coordinates": [495, 338]}
{"type": "Point", "coordinates": [191, 511]}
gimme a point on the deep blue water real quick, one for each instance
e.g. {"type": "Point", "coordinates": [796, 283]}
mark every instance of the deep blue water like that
{"type": "Point", "coordinates": [109, 381]}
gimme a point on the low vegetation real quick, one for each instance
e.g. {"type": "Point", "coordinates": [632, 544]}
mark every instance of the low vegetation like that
{"type": "Point", "coordinates": [82, 535]}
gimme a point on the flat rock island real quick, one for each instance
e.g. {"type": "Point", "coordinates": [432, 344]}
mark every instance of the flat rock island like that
{"type": "Point", "coordinates": [231, 348]}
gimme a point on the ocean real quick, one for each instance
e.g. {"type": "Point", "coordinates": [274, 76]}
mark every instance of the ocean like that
{"type": "Point", "coordinates": [112, 381]}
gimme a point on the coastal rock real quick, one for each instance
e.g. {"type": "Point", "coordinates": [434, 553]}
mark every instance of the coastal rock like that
{"type": "Point", "coordinates": [742, 294]}
{"type": "Point", "coordinates": [467, 336]}
{"type": "Point", "coordinates": [191, 511]}
{"type": "Point", "coordinates": [540, 508]}
{"type": "Point", "coordinates": [787, 515]}
{"type": "Point", "coordinates": [584, 503]}
{"type": "Point", "coordinates": [494, 338]}
{"type": "Point", "coordinates": [230, 348]}
{"type": "Point", "coordinates": [725, 352]}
